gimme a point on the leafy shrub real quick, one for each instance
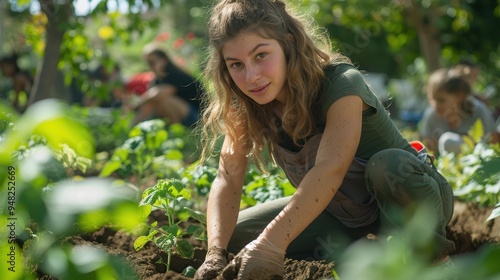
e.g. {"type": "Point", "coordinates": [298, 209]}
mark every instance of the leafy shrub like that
{"type": "Point", "coordinates": [474, 174]}
{"type": "Point", "coordinates": [399, 256]}
{"type": "Point", "coordinates": [47, 206]}
{"type": "Point", "coordinates": [146, 153]}
{"type": "Point", "coordinates": [260, 188]}
{"type": "Point", "coordinates": [108, 126]}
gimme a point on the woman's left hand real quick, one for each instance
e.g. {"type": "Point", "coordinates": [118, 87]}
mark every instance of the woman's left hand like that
{"type": "Point", "coordinates": [259, 260]}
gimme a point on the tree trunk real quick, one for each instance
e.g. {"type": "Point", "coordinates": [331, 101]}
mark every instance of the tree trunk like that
{"type": "Point", "coordinates": [427, 32]}
{"type": "Point", "coordinates": [3, 15]}
{"type": "Point", "coordinates": [48, 83]}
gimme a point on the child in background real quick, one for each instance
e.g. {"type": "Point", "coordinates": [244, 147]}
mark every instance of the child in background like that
{"type": "Point", "coordinates": [452, 113]}
{"type": "Point", "coordinates": [470, 71]}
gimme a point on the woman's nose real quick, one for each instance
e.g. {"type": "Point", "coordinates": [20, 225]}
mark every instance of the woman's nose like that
{"type": "Point", "coordinates": [253, 74]}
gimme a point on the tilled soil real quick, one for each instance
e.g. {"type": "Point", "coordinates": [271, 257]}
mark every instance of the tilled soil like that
{"type": "Point", "coordinates": [467, 229]}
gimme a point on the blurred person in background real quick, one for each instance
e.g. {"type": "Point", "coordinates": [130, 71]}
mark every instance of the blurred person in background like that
{"type": "Point", "coordinates": [452, 113]}
{"type": "Point", "coordinates": [470, 71]}
{"type": "Point", "coordinates": [173, 94]}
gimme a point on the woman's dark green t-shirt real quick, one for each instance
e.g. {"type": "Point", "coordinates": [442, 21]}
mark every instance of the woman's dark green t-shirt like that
{"type": "Point", "coordinates": [378, 130]}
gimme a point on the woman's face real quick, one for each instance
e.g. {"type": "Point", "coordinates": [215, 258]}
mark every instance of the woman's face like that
{"type": "Point", "coordinates": [156, 64]}
{"type": "Point", "coordinates": [257, 66]}
{"type": "Point", "coordinates": [446, 103]}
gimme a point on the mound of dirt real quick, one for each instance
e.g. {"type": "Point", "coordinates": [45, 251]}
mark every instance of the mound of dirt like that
{"type": "Point", "coordinates": [467, 229]}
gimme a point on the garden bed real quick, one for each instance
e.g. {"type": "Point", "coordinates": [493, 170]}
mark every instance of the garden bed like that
{"type": "Point", "coordinates": [468, 229]}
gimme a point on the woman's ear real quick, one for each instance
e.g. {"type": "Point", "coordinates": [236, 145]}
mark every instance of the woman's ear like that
{"type": "Point", "coordinates": [289, 37]}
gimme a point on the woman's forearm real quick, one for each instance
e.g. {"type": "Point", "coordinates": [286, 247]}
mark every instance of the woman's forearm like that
{"type": "Point", "coordinates": [225, 193]}
{"type": "Point", "coordinates": [222, 213]}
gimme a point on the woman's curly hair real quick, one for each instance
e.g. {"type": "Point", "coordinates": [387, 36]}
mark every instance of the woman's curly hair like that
{"type": "Point", "coordinates": [307, 53]}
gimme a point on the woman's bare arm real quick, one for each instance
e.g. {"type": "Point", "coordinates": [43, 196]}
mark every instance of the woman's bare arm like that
{"type": "Point", "coordinates": [225, 193]}
{"type": "Point", "coordinates": [338, 146]}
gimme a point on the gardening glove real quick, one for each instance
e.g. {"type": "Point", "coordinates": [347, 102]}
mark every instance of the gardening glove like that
{"type": "Point", "coordinates": [215, 261]}
{"type": "Point", "coordinates": [259, 260]}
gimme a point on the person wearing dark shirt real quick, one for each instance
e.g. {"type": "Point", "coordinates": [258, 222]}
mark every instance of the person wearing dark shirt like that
{"type": "Point", "coordinates": [173, 94]}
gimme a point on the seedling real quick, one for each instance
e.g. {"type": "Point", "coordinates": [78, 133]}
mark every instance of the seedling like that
{"type": "Point", "coordinates": [166, 195]}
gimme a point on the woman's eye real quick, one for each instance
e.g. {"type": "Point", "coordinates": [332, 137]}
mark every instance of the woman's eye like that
{"type": "Point", "coordinates": [261, 55]}
{"type": "Point", "coordinates": [234, 65]}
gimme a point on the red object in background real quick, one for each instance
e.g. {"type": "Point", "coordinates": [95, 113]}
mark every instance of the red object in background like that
{"type": "Point", "coordinates": [139, 83]}
{"type": "Point", "coordinates": [191, 36]}
{"type": "Point", "coordinates": [417, 145]}
{"type": "Point", "coordinates": [162, 37]}
{"type": "Point", "coordinates": [178, 43]}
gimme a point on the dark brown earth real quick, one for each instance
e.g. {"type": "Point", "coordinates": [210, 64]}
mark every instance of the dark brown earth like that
{"type": "Point", "coordinates": [467, 229]}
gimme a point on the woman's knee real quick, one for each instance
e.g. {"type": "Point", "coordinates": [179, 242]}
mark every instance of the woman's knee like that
{"type": "Point", "coordinates": [389, 167]}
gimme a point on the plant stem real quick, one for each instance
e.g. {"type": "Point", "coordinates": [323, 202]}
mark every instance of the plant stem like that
{"type": "Point", "coordinates": [170, 219]}
{"type": "Point", "coordinates": [169, 257]}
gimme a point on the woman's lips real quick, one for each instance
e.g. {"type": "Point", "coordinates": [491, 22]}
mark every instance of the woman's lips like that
{"type": "Point", "coordinates": [260, 90]}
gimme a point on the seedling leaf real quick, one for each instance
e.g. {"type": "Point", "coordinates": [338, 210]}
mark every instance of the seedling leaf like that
{"type": "Point", "coordinates": [184, 249]}
{"type": "Point", "coordinates": [175, 187]}
{"type": "Point", "coordinates": [192, 229]}
{"type": "Point", "coordinates": [196, 232]}
{"type": "Point", "coordinates": [150, 197]}
{"type": "Point", "coordinates": [174, 155]}
{"type": "Point", "coordinates": [145, 210]}
{"type": "Point", "coordinates": [160, 137]}
{"type": "Point", "coordinates": [166, 242]}
{"type": "Point", "coordinates": [109, 168]}
{"type": "Point", "coordinates": [197, 215]}
{"type": "Point", "coordinates": [494, 214]}
{"type": "Point", "coordinates": [140, 242]}
{"type": "Point", "coordinates": [174, 230]}
{"type": "Point", "coordinates": [189, 272]}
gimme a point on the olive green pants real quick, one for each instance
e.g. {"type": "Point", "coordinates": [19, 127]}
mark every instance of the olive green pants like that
{"type": "Point", "coordinates": [398, 181]}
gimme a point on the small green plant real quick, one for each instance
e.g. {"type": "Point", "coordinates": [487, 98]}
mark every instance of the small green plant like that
{"type": "Point", "coordinates": [166, 195]}
{"type": "Point", "coordinates": [68, 161]}
{"type": "Point", "coordinates": [201, 176]}
{"type": "Point", "coordinates": [473, 174]}
{"type": "Point", "coordinates": [146, 153]}
{"type": "Point", "coordinates": [260, 188]}
{"type": "Point", "coordinates": [41, 151]}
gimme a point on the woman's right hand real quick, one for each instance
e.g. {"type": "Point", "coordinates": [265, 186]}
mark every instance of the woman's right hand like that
{"type": "Point", "coordinates": [215, 262]}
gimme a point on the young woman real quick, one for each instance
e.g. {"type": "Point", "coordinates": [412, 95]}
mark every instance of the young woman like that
{"type": "Point", "coordinates": [452, 113]}
{"type": "Point", "coordinates": [276, 85]}
{"type": "Point", "coordinates": [173, 94]}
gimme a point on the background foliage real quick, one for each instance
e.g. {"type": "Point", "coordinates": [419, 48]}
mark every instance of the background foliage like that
{"type": "Point", "coordinates": [389, 37]}
{"type": "Point", "coordinates": [56, 147]}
